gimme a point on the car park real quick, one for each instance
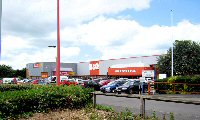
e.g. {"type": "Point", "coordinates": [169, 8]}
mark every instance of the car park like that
{"type": "Point", "coordinates": [23, 81]}
{"type": "Point", "coordinates": [110, 87]}
{"type": "Point", "coordinates": [10, 80]}
{"type": "Point", "coordinates": [36, 81]}
{"type": "Point", "coordinates": [91, 84]}
{"type": "Point", "coordinates": [132, 86]}
{"type": "Point", "coordinates": [105, 82]}
{"type": "Point", "coordinates": [79, 81]}
{"type": "Point", "coordinates": [52, 79]}
{"type": "Point", "coordinates": [68, 82]}
{"type": "Point", "coordinates": [129, 87]}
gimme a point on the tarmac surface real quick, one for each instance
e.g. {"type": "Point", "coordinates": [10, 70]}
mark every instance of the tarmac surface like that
{"type": "Point", "coordinates": [181, 111]}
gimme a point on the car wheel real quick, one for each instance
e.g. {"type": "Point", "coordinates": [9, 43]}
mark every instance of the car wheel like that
{"type": "Point", "coordinates": [130, 91]}
{"type": "Point", "coordinates": [113, 91]}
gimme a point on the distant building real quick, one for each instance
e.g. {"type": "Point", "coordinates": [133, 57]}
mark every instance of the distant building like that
{"type": "Point", "coordinates": [36, 70]}
{"type": "Point", "coordinates": [132, 67]}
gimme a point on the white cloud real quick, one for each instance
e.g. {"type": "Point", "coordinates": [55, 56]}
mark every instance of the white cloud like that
{"type": "Point", "coordinates": [152, 40]}
{"type": "Point", "coordinates": [123, 38]}
{"type": "Point", "coordinates": [43, 55]}
{"type": "Point", "coordinates": [107, 30]}
{"type": "Point", "coordinates": [42, 14]}
{"type": "Point", "coordinates": [83, 23]}
{"type": "Point", "coordinates": [14, 42]}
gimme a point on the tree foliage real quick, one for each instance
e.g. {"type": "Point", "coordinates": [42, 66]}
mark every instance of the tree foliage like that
{"type": "Point", "coordinates": [186, 56]}
{"type": "Point", "coordinates": [21, 73]}
{"type": "Point", "coordinates": [7, 71]}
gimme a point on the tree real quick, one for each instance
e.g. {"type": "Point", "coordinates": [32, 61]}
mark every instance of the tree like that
{"type": "Point", "coordinates": [19, 73]}
{"type": "Point", "coordinates": [186, 58]}
{"type": "Point", "coordinates": [5, 71]}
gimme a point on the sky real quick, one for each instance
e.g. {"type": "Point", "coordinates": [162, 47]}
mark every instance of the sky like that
{"type": "Point", "coordinates": [94, 29]}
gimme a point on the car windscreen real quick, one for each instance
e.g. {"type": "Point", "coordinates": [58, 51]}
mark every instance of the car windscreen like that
{"type": "Point", "coordinates": [111, 83]}
{"type": "Point", "coordinates": [70, 80]}
{"type": "Point", "coordinates": [128, 83]}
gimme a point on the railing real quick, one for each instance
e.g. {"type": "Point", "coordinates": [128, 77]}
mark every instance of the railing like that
{"type": "Point", "coordinates": [173, 88]}
{"type": "Point", "coordinates": [187, 99]}
{"type": "Point", "coordinates": [161, 87]}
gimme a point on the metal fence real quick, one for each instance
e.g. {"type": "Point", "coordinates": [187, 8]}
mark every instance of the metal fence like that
{"type": "Point", "coordinates": [160, 87]}
{"type": "Point", "coordinates": [173, 88]}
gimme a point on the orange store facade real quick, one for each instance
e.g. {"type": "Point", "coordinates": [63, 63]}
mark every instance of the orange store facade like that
{"type": "Point", "coordinates": [129, 71]}
{"type": "Point", "coordinates": [132, 67]}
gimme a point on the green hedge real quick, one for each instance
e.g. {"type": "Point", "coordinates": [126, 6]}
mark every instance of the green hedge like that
{"type": "Point", "coordinates": [14, 87]}
{"type": "Point", "coordinates": [41, 99]}
{"type": "Point", "coordinates": [185, 79]}
{"type": "Point", "coordinates": [179, 87]}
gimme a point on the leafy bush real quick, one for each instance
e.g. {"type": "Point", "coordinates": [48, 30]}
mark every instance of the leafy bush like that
{"type": "Point", "coordinates": [41, 99]}
{"type": "Point", "coordinates": [186, 86]}
{"type": "Point", "coordinates": [14, 87]}
{"type": "Point", "coordinates": [104, 108]}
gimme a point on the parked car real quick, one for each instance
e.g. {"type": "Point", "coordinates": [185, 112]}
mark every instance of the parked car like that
{"type": "Point", "coordinates": [52, 79]}
{"type": "Point", "coordinates": [35, 81]}
{"type": "Point", "coordinates": [79, 81]}
{"type": "Point", "coordinates": [23, 81]}
{"type": "Point", "coordinates": [105, 82]}
{"type": "Point", "coordinates": [10, 80]}
{"type": "Point", "coordinates": [91, 84]}
{"type": "Point", "coordinates": [110, 87]}
{"type": "Point", "coordinates": [69, 82]}
{"type": "Point", "coordinates": [42, 82]}
{"type": "Point", "coordinates": [131, 86]}
{"type": "Point", "coordinates": [83, 83]}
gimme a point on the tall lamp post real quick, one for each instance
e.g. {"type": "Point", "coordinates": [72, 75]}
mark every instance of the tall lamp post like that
{"type": "Point", "coordinates": [0, 25]}
{"type": "Point", "coordinates": [172, 55]}
{"type": "Point", "coordinates": [58, 45]}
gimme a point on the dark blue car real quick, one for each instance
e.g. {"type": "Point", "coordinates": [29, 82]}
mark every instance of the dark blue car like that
{"type": "Point", "coordinates": [110, 87]}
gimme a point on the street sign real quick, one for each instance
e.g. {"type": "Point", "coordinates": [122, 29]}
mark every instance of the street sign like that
{"type": "Point", "coordinates": [147, 73]}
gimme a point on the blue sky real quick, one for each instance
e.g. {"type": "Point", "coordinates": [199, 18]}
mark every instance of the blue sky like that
{"type": "Point", "coordinates": [94, 29]}
{"type": "Point", "coordinates": [160, 12]}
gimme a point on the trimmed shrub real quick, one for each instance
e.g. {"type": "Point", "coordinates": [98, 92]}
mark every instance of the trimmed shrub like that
{"type": "Point", "coordinates": [187, 85]}
{"type": "Point", "coordinates": [14, 87]}
{"type": "Point", "coordinates": [41, 99]}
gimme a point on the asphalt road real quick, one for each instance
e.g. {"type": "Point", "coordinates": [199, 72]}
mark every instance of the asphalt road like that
{"type": "Point", "coordinates": [181, 111]}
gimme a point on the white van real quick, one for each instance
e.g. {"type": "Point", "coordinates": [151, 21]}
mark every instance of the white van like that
{"type": "Point", "coordinates": [9, 80]}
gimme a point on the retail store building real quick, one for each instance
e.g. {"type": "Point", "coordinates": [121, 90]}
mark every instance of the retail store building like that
{"type": "Point", "coordinates": [132, 67]}
{"type": "Point", "coordinates": [45, 69]}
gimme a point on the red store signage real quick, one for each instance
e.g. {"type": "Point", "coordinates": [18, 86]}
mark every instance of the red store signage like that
{"type": "Point", "coordinates": [94, 68]}
{"type": "Point", "coordinates": [36, 65]}
{"type": "Point", "coordinates": [63, 73]}
{"type": "Point", "coordinates": [129, 71]}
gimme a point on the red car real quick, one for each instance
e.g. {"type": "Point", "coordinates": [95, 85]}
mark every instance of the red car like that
{"type": "Point", "coordinates": [68, 82]}
{"type": "Point", "coordinates": [105, 82]}
{"type": "Point", "coordinates": [1, 81]}
{"type": "Point", "coordinates": [35, 81]}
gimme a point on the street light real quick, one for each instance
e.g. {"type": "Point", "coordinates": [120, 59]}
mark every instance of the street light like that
{"type": "Point", "coordinates": [172, 55]}
{"type": "Point", "coordinates": [53, 46]}
{"type": "Point", "coordinates": [0, 25]}
{"type": "Point", "coordinates": [58, 45]}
